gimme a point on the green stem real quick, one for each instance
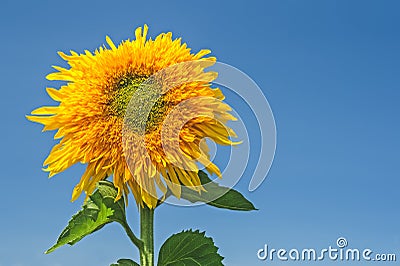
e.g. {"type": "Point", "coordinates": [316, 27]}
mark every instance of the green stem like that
{"type": "Point", "coordinates": [132, 236]}
{"type": "Point", "coordinates": [147, 236]}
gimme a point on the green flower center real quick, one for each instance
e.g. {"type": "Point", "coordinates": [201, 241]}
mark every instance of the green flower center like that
{"type": "Point", "coordinates": [139, 102]}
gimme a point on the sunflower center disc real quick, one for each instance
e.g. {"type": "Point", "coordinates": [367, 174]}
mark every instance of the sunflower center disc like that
{"type": "Point", "coordinates": [147, 106]}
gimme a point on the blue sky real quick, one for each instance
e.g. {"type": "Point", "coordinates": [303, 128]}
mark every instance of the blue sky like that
{"type": "Point", "coordinates": [331, 73]}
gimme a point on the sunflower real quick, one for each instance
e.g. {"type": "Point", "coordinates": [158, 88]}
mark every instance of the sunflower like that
{"type": "Point", "coordinates": [138, 112]}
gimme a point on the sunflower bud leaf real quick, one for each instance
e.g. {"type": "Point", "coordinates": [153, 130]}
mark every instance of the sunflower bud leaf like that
{"type": "Point", "coordinates": [99, 210]}
{"type": "Point", "coordinates": [189, 248]}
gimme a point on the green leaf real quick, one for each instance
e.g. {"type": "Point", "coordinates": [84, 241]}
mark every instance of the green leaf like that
{"type": "Point", "coordinates": [125, 262]}
{"type": "Point", "coordinates": [217, 196]}
{"type": "Point", "coordinates": [189, 248]}
{"type": "Point", "coordinates": [99, 210]}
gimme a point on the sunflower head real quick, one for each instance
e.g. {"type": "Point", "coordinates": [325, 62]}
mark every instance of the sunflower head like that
{"type": "Point", "coordinates": [138, 112]}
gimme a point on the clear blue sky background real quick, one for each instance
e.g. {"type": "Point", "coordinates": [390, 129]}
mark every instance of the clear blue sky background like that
{"type": "Point", "coordinates": [330, 70]}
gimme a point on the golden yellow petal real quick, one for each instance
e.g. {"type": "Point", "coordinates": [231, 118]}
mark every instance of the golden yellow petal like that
{"type": "Point", "coordinates": [110, 43]}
